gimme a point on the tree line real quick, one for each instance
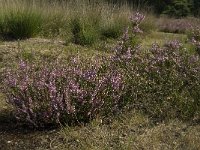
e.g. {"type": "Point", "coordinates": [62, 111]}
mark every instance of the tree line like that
{"type": "Point", "coordinates": [172, 8]}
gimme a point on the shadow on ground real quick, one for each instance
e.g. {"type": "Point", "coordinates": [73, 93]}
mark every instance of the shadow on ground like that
{"type": "Point", "coordinates": [19, 136]}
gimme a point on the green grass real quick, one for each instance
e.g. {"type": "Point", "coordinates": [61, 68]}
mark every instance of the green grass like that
{"type": "Point", "coordinates": [161, 38]}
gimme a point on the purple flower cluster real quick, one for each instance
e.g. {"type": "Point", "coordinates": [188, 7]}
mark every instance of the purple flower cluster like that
{"type": "Point", "coordinates": [125, 48]}
{"type": "Point", "coordinates": [136, 20]}
{"type": "Point", "coordinates": [49, 93]}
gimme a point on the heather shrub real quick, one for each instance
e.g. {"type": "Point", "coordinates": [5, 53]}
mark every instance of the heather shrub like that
{"type": "Point", "coordinates": [176, 25]}
{"type": "Point", "coordinates": [51, 93]}
{"type": "Point", "coordinates": [54, 93]}
{"type": "Point", "coordinates": [166, 80]}
{"type": "Point", "coordinates": [20, 24]}
{"type": "Point", "coordinates": [163, 82]}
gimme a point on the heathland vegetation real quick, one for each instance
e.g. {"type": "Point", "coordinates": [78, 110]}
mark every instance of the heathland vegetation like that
{"type": "Point", "coordinates": [91, 74]}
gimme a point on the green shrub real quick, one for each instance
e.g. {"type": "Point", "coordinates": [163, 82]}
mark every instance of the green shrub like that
{"type": "Point", "coordinates": [113, 28]}
{"type": "Point", "coordinates": [20, 24]}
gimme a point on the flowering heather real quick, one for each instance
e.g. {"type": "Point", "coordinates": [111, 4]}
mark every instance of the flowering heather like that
{"type": "Point", "coordinates": [51, 93]}
{"type": "Point", "coordinates": [177, 25]}
{"type": "Point", "coordinates": [162, 82]}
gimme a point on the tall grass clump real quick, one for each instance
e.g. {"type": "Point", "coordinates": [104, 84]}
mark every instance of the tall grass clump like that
{"type": "Point", "coordinates": [83, 32]}
{"type": "Point", "coordinates": [149, 24]}
{"type": "Point", "coordinates": [55, 25]}
{"type": "Point", "coordinates": [112, 29]}
{"type": "Point", "coordinates": [114, 21]}
{"type": "Point", "coordinates": [98, 21]}
{"type": "Point", "coordinates": [20, 24]}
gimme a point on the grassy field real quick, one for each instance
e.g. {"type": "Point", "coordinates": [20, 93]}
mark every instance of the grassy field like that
{"type": "Point", "coordinates": [42, 33]}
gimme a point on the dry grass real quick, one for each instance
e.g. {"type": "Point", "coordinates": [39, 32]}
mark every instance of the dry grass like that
{"type": "Point", "coordinates": [130, 130]}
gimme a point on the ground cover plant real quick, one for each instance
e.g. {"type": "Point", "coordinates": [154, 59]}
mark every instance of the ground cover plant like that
{"type": "Point", "coordinates": [130, 88]}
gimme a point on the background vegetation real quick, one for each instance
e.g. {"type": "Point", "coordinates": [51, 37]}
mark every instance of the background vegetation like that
{"type": "Point", "coordinates": [175, 8]}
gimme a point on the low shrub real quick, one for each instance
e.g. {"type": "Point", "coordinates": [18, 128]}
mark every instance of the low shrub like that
{"type": "Point", "coordinates": [52, 94]}
{"type": "Point", "coordinates": [74, 92]}
{"type": "Point", "coordinates": [163, 82]}
{"type": "Point", "coordinates": [20, 24]}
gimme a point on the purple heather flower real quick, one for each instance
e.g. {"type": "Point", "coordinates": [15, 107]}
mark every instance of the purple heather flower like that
{"type": "Point", "coordinates": [136, 29]}
{"type": "Point", "coordinates": [90, 75]}
{"type": "Point", "coordinates": [175, 44]}
{"type": "Point", "coordinates": [137, 18]}
{"type": "Point", "coordinates": [22, 64]}
{"type": "Point", "coordinates": [125, 36]}
{"type": "Point", "coordinates": [116, 81]}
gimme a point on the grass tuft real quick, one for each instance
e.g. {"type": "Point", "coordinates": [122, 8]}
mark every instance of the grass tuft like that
{"type": "Point", "coordinates": [20, 24]}
{"type": "Point", "coordinates": [83, 33]}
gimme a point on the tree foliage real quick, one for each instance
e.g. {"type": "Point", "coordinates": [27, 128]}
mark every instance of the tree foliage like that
{"type": "Point", "coordinates": [175, 8]}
